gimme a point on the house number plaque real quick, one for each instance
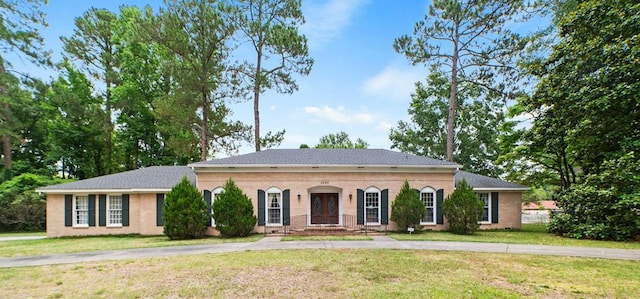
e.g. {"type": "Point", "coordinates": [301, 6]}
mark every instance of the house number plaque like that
{"type": "Point", "coordinates": [324, 182]}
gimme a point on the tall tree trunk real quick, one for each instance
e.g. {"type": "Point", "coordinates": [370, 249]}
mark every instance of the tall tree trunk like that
{"type": "Point", "coordinates": [6, 139]}
{"type": "Point", "coordinates": [203, 131]}
{"type": "Point", "coordinates": [256, 100]}
{"type": "Point", "coordinates": [109, 128]}
{"type": "Point", "coordinates": [452, 97]}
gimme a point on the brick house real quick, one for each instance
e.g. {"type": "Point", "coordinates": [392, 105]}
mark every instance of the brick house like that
{"type": "Point", "coordinates": [291, 189]}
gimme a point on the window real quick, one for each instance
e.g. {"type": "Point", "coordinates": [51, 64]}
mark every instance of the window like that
{"type": "Point", "coordinates": [372, 205]}
{"type": "Point", "coordinates": [274, 207]}
{"type": "Point", "coordinates": [428, 197]}
{"type": "Point", "coordinates": [114, 210]}
{"type": "Point", "coordinates": [486, 202]}
{"type": "Point", "coordinates": [214, 195]}
{"type": "Point", "coordinates": [81, 211]}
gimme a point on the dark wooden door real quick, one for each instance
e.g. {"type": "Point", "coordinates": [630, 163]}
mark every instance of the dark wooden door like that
{"type": "Point", "coordinates": [324, 208]}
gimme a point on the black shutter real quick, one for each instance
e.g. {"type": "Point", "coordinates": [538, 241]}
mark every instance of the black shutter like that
{"type": "Point", "coordinates": [261, 207]}
{"type": "Point", "coordinates": [125, 209]}
{"type": "Point", "coordinates": [494, 207]}
{"type": "Point", "coordinates": [360, 206]}
{"type": "Point", "coordinates": [207, 199]}
{"type": "Point", "coordinates": [384, 207]}
{"type": "Point", "coordinates": [92, 210]}
{"type": "Point", "coordinates": [439, 200]}
{"type": "Point", "coordinates": [286, 209]}
{"type": "Point", "coordinates": [159, 205]}
{"type": "Point", "coordinates": [68, 210]}
{"type": "Point", "coordinates": [102, 210]}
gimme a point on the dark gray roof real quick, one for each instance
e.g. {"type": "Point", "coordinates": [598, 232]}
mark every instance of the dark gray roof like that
{"type": "Point", "coordinates": [478, 181]}
{"type": "Point", "coordinates": [326, 157]}
{"type": "Point", "coordinates": [149, 178]}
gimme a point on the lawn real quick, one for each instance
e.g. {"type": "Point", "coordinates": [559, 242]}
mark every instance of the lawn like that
{"type": "Point", "coordinates": [5, 235]}
{"type": "Point", "coordinates": [331, 274]}
{"type": "Point", "coordinates": [82, 244]}
{"type": "Point", "coordinates": [529, 234]}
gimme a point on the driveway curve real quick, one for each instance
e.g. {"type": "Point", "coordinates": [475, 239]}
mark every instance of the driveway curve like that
{"type": "Point", "coordinates": [274, 243]}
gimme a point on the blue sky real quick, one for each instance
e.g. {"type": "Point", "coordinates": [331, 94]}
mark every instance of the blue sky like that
{"type": "Point", "coordinates": [358, 84]}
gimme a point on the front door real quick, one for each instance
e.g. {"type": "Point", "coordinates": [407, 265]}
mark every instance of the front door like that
{"type": "Point", "coordinates": [324, 208]}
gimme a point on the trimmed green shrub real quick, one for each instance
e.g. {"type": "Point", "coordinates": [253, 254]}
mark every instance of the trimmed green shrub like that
{"type": "Point", "coordinates": [463, 209]}
{"type": "Point", "coordinates": [233, 212]}
{"type": "Point", "coordinates": [184, 212]}
{"type": "Point", "coordinates": [407, 209]}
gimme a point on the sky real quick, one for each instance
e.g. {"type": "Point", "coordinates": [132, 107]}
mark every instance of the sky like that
{"type": "Point", "coordinates": [358, 83]}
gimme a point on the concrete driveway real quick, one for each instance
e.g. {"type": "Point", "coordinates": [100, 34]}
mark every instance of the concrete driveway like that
{"type": "Point", "coordinates": [271, 243]}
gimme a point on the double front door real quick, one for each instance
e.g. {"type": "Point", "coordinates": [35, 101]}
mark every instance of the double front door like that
{"type": "Point", "coordinates": [324, 208]}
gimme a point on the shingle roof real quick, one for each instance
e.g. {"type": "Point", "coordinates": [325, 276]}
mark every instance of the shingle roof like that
{"type": "Point", "coordinates": [149, 178]}
{"type": "Point", "coordinates": [478, 181]}
{"type": "Point", "coordinates": [326, 157]}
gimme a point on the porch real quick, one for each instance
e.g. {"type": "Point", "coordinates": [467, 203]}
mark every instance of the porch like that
{"type": "Point", "coordinates": [346, 225]}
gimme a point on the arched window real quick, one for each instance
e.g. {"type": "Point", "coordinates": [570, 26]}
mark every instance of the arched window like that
{"type": "Point", "coordinates": [372, 205]}
{"type": "Point", "coordinates": [428, 198]}
{"type": "Point", "coordinates": [274, 206]}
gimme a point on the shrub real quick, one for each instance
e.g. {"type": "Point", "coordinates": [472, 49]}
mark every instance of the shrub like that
{"type": "Point", "coordinates": [407, 209]}
{"type": "Point", "coordinates": [605, 205]}
{"type": "Point", "coordinates": [233, 212]}
{"type": "Point", "coordinates": [184, 212]}
{"type": "Point", "coordinates": [463, 209]}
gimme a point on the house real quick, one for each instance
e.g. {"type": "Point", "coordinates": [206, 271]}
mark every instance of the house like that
{"type": "Point", "coordinates": [290, 189]}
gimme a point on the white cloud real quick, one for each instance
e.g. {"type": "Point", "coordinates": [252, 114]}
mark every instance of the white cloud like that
{"type": "Point", "coordinates": [325, 21]}
{"type": "Point", "coordinates": [393, 83]}
{"type": "Point", "coordinates": [384, 126]}
{"type": "Point", "coordinates": [340, 115]}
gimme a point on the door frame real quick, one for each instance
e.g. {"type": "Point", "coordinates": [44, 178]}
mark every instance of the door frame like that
{"type": "Point", "coordinates": [325, 189]}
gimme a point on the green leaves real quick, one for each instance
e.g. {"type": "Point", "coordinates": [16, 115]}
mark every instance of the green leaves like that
{"type": "Point", "coordinates": [184, 213]}
{"type": "Point", "coordinates": [233, 212]}
{"type": "Point", "coordinates": [407, 209]}
{"type": "Point", "coordinates": [463, 209]}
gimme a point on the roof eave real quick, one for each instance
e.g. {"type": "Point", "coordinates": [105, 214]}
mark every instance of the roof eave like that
{"type": "Point", "coordinates": [501, 189]}
{"type": "Point", "coordinates": [103, 190]}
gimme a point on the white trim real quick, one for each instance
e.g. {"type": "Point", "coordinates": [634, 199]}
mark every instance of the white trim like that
{"type": "Point", "coordinates": [376, 191]}
{"type": "Point", "coordinates": [108, 210]}
{"type": "Point", "coordinates": [430, 190]}
{"type": "Point", "coordinates": [101, 191]}
{"type": "Point", "coordinates": [278, 191]}
{"type": "Point", "coordinates": [502, 189]}
{"type": "Point", "coordinates": [325, 168]}
{"type": "Point", "coordinates": [74, 219]}
{"type": "Point", "coordinates": [488, 207]}
{"type": "Point", "coordinates": [216, 191]}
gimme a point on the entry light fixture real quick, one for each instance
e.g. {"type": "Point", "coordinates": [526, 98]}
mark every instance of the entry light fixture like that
{"type": "Point", "coordinates": [298, 197]}
{"type": "Point", "coordinates": [350, 196]}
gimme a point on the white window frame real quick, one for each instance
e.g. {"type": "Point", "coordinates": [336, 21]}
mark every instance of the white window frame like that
{"type": "Point", "coordinates": [271, 192]}
{"type": "Point", "coordinates": [486, 206]}
{"type": "Point", "coordinates": [376, 191]}
{"type": "Point", "coordinates": [214, 194]}
{"type": "Point", "coordinates": [111, 210]}
{"type": "Point", "coordinates": [76, 210]}
{"type": "Point", "coordinates": [425, 191]}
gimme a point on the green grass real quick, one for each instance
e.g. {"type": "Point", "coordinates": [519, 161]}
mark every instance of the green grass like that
{"type": "Point", "coordinates": [22, 234]}
{"type": "Point", "coordinates": [529, 234]}
{"type": "Point", "coordinates": [96, 243]}
{"type": "Point", "coordinates": [326, 238]}
{"type": "Point", "coordinates": [325, 273]}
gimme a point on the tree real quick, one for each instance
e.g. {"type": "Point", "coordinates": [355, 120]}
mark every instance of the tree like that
{"type": "Point", "coordinates": [341, 140]}
{"type": "Point", "coordinates": [407, 209]}
{"type": "Point", "coordinates": [469, 41]}
{"type": "Point", "coordinates": [184, 213]}
{"type": "Point", "coordinates": [94, 43]}
{"type": "Point", "coordinates": [194, 36]}
{"type": "Point", "coordinates": [271, 28]}
{"type": "Point", "coordinates": [20, 22]}
{"type": "Point", "coordinates": [463, 209]}
{"type": "Point", "coordinates": [477, 123]}
{"type": "Point", "coordinates": [233, 212]}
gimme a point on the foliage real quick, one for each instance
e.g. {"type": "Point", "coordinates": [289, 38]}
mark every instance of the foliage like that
{"type": "Point", "coordinates": [184, 213]}
{"type": "Point", "coordinates": [270, 27]}
{"type": "Point", "coordinates": [20, 23]}
{"type": "Point", "coordinates": [233, 212]}
{"type": "Point", "coordinates": [194, 37]}
{"type": "Point", "coordinates": [21, 208]}
{"type": "Point", "coordinates": [604, 206]}
{"type": "Point", "coordinates": [463, 209]}
{"type": "Point", "coordinates": [407, 209]}
{"type": "Point", "coordinates": [469, 41]}
{"type": "Point", "coordinates": [478, 122]}
{"type": "Point", "coordinates": [341, 140]}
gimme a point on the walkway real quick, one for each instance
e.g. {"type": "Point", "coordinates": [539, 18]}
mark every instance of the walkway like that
{"type": "Point", "coordinates": [270, 243]}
